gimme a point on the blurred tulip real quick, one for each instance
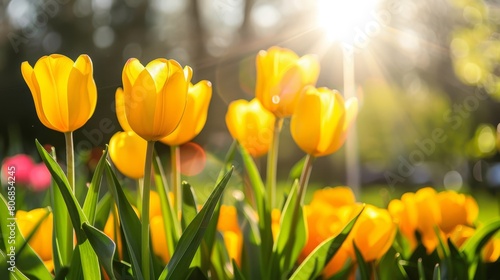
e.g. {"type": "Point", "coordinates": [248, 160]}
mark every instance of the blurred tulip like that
{"type": "Point", "coordinates": [461, 234]}
{"type": "Point", "coordinates": [228, 226]}
{"type": "Point", "coordinates": [275, 222]}
{"type": "Point", "coordinates": [158, 238]}
{"type": "Point", "coordinates": [64, 91]}
{"type": "Point", "coordinates": [251, 125]}
{"type": "Point", "coordinates": [456, 209]}
{"type": "Point", "coordinates": [281, 75]}
{"type": "Point", "coordinates": [335, 197]}
{"type": "Point", "coordinates": [40, 177]}
{"type": "Point", "coordinates": [404, 214]}
{"type": "Point", "coordinates": [41, 240]}
{"type": "Point", "coordinates": [111, 229]}
{"type": "Point", "coordinates": [491, 251]}
{"type": "Point", "coordinates": [429, 216]}
{"type": "Point", "coordinates": [195, 115]}
{"type": "Point", "coordinates": [128, 152]}
{"type": "Point", "coordinates": [155, 96]}
{"type": "Point", "coordinates": [319, 125]}
{"type": "Point", "coordinates": [23, 165]}
{"type": "Point", "coordinates": [373, 233]}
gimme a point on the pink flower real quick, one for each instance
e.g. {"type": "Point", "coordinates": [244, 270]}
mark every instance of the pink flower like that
{"type": "Point", "coordinates": [40, 177]}
{"type": "Point", "coordinates": [23, 165]}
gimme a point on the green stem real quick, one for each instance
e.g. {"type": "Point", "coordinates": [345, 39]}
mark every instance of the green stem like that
{"type": "Point", "coordinates": [67, 247]}
{"type": "Point", "coordinates": [304, 177]}
{"type": "Point", "coordinates": [145, 211]}
{"type": "Point", "coordinates": [140, 184]}
{"type": "Point", "coordinates": [175, 158]}
{"type": "Point", "coordinates": [272, 164]}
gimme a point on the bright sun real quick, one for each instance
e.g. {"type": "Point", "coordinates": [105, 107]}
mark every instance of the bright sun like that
{"type": "Point", "coordinates": [342, 19]}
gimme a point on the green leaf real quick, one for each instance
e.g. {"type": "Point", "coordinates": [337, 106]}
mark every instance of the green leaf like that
{"type": "Point", "coordinates": [237, 272]}
{"type": "Point", "coordinates": [292, 223]}
{"type": "Point", "coordinates": [344, 272]}
{"type": "Point", "coordinates": [390, 267]}
{"type": "Point", "coordinates": [103, 246]}
{"type": "Point", "coordinates": [189, 207]}
{"type": "Point", "coordinates": [170, 221]}
{"type": "Point", "coordinates": [90, 204]}
{"type": "Point", "coordinates": [317, 260]}
{"type": "Point", "coordinates": [364, 269]}
{"type": "Point", "coordinates": [26, 262]}
{"type": "Point", "coordinates": [437, 273]}
{"type": "Point", "coordinates": [458, 261]}
{"type": "Point", "coordinates": [265, 219]}
{"type": "Point", "coordinates": [195, 273]}
{"type": "Point", "coordinates": [473, 246]}
{"type": "Point", "coordinates": [89, 262]}
{"type": "Point", "coordinates": [130, 224]}
{"type": "Point", "coordinates": [193, 235]}
{"type": "Point", "coordinates": [421, 270]}
{"type": "Point", "coordinates": [296, 170]}
{"type": "Point", "coordinates": [103, 210]}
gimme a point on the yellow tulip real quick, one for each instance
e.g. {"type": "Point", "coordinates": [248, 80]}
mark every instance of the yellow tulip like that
{"type": "Point", "coordinates": [281, 75]}
{"type": "Point", "coordinates": [155, 96]}
{"type": "Point", "coordinates": [228, 226]}
{"type": "Point", "coordinates": [64, 91]}
{"type": "Point", "coordinates": [319, 125]}
{"type": "Point", "coordinates": [128, 153]}
{"type": "Point", "coordinates": [41, 240]}
{"type": "Point", "coordinates": [373, 233]}
{"type": "Point", "coordinates": [126, 149]}
{"type": "Point", "coordinates": [251, 125]}
{"type": "Point", "coordinates": [158, 239]}
{"type": "Point", "coordinates": [456, 209]}
{"type": "Point", "coordinates": [404, 214]}
{"type": "Point", "coordinates": [195, 115]}
{"type": "Point", "coordinates": [335, 197]}
{"type": "Point", "coordinates": [491, 251]}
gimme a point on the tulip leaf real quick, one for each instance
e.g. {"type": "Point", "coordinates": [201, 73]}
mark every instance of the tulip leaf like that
{"type": "Point", "coordinates": [363, 268]}
{"type": "Point", "coordinates": [458, 262]}
{"type": "Point", "coordinates": [296, 170]}
{"type": "Point", "coordinates": [189, 207]}
{"type": "Point", "coordinates": [437, 272]}
{"type": "Point", "coordinates": [131, 226]}
{"type": "Point", "coordinates": [89, 262]}
{"type": "Point", "coordinates": [26, 262]}
{"type": "Point", "coordinates": [421, 270]}
{"type": "Point", "coordinates": [190, 240]}
{"type": "Point", "coordinates": [317, 260]}
{"type": "Point", "coordinates": [170, 220]}
{"type": "Point", "coordinates": [90, 204]}
{"type": "Point", "coordinates": [189, 211]}
{"type": "Point", "coordinates": [344, 272]}
{"type": "Point", "coordinates": [238, 275]}
{"type": "Point", "coordinates": [292, 223]}
{"type": "Point", "coordinates": [265, 220]}
{"type": "Point", "coordinates": [473, 246]}
{"type": "Point", "coordinates": [103, 246]}
{"type": "Point", "coordinates": [219, 259]}
{"type": "Point", "coordinates": [250, 253]}
{"type": "Point", "coordinates": [389, 266]}
{"type": "Point", "coordinates": [102, 211]}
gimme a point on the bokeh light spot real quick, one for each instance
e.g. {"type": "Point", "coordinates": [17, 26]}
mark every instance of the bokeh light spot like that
{"type": "Point", "coordinates": [452, 180]}
{"type": "Point", "coordinates": [193, 159]}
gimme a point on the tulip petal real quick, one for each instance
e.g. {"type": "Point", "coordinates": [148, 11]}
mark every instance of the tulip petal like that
{"type": "Point", "coordinates": [52, 74]}
{"type": "Point", "coordinates": [30, 78]}
{"type": "Point", "coordinates": [82, 93]}
{"type": "Point", "coordinates": [309, 65]}
{"type": "Point", "coordinates": [120, 110]}
{"type": "Point", "coordinates": [128, 152]}
{"type": "Point", "coordinates": [160, 70]}
{"type": "Point", "coordinates": [332, 134]}
{"type": "Point", "coordinates": [131, 71]}
{"type": "Point", "coordinates": [306, 121]}
{"type": "Point", "coordinates": [284, 95]}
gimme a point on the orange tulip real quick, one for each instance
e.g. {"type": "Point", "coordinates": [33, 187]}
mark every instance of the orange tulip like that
{"type": "Point", "coordinates": [456, 209]}
{"type": "Point", "coordinates": [281, 75]}
{"type": "Point", "coordinates": [319, 125]}
{"type": "Point", "coordinates": [251, 125]}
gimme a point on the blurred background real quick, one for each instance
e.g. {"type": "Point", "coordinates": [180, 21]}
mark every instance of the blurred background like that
{"type": "Point", "coordinates": [426, 73]}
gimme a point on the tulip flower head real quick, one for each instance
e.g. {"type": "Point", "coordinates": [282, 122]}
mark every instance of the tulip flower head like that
{"type": "Point", "coordinates": [64, 91]}
{"type": "Point", "coordinates": [127, 150]}
{"type": "Point", "coordinates": [251, 125]}
{"type": "Point", "coordinates": [155, 96]}
{"type": "Point", "coordinates": [281, 76]}
{"type": "Point", "coordinates": [195, 115]}
{"type": "Point", "coordinates": [320, 123]}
